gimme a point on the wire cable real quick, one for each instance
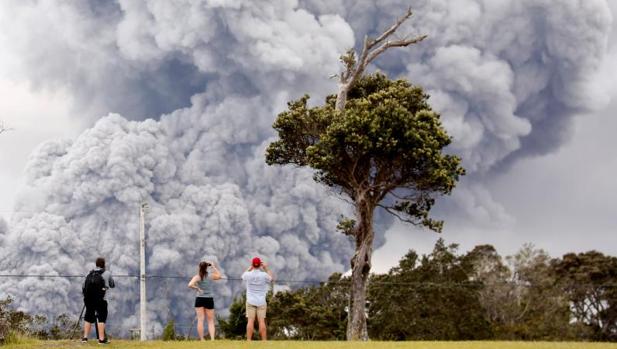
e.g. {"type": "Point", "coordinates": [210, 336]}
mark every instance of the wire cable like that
{"type": "Point", "coordinates": [312, 282]}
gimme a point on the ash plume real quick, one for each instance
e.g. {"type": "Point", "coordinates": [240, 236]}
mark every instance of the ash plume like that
{"type": "Point", "coordinates": [507, 77]}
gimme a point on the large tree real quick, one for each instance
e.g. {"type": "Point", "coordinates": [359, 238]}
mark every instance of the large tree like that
{"type": "Point", "coordinates": [385, 149]}
{"type": "Point", "coordinates": [590, 282]}
{"type": "Point", "coordinates": [521, 299]}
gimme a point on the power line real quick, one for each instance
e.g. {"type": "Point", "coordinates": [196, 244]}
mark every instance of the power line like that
{"type": "Point", "coordinates": [57, 276]}
{"type": "Point", "coordinates": [21, 211]}
{"type": "Point", "coordinates": [314, 282]}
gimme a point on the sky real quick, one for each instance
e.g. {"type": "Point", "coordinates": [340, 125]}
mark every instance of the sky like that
{"type": "Point", "coordinates": [116, 102]}
{"type": "Point", "coordinates": [561, 202]}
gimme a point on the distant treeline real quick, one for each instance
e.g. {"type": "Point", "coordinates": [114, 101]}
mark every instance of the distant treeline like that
{"type": "Point", "coordinates": [449, 296]}
{"type": "Point", "coordinates": [440, 296]}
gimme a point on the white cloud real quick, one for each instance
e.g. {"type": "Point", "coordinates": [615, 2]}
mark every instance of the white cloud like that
{"type": "Point", "coordinates": [200, 167]}
{"type": "Point", "coordinates": [562, 202]}
{"type": "Point", "coordinates": [34, 118]}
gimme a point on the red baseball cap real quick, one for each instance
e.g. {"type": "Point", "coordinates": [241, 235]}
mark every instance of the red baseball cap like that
{"type": "Point", "coordinates": [256, 262]}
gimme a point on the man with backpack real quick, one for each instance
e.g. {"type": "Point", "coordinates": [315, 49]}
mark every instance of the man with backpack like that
{"type": "Point", "coordinates": [97, 282]}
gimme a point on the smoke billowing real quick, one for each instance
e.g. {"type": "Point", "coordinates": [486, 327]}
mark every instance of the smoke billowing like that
{"type": "Point", "coordinates": [507, 77]}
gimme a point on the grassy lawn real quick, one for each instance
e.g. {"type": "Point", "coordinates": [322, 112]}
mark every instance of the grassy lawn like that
{"type": "Point", "coordinates": [224, 344]}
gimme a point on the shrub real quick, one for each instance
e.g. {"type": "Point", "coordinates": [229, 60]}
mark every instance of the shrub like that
{"type": "Point", "coordinates": [169, 332]}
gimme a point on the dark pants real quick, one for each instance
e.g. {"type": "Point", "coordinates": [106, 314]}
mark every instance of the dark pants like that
{"type": "Point", "coordinates": [95, 309]}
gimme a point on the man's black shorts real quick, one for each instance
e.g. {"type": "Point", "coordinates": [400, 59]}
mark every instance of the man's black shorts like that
{"type": "Point", "coordinates": [96, 309]}
{"type": "Point", "coordinates": [204, 302]}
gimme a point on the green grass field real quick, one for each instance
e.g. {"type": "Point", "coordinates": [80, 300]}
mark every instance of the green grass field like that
{"type": "Point", "coordinates": [223, 344]}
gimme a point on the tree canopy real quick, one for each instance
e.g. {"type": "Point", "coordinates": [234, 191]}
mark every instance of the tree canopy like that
{"type": "Point", "coordinates": [385, 148]}
{"type": "Point", "coordinates": [426, 298]}
{"type": "Point", "coordinates": [590, 282]}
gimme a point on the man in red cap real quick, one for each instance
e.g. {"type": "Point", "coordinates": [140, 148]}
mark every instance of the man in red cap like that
{"type": "Point", "coordinates": [258, 277]}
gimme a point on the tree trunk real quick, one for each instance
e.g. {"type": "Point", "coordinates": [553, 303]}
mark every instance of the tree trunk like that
{"type": "Point", "coordinates": [363, 231]}
{"type": "Point", "coordinates": [360, 266]}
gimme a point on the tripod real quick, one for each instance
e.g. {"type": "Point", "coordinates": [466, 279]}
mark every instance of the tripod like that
{"type": "Point", "coordinates": [81, 315]}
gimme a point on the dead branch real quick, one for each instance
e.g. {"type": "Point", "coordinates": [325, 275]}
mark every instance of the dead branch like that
{"type": "Point", "coordinates": [395, 213]}
{"type": "Point", "coordinates": [371, 49]}
{"type": "Point", "coordinates": [3, 127]}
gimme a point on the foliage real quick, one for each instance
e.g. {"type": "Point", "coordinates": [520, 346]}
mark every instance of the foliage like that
{"type": "Point", "coordinates": [484, 265]}
{"type": "Point", "coordinates": [520, 299]}
{"type": "Point", "coordinates": [63, 327]}
{"type": "Point", "coordinates": [38, 327]}
{"type": "Point", "coordinates": [12, 322]}
{"type": "Point", "coordinates": [427, 298]}
{"type": "Point", "coordinates": [543, 310]}
{"type": "Point", "coordinates": [16, 324]}
{"type": "Point", "coordinates": [169, 332]}
{"type": "Point", "coordinates": [590, 282]}
{"type": "Point", "coordinates": [4, 318]}
{"type": "Point", "coordinates": [234, 327]}
{"type": "Point", "coordinates": [311, 313]}
{"type": "Point", "coordinates": [387, 145]}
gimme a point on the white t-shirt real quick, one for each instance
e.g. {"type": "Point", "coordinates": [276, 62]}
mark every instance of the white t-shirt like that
{"type": "Point", "coordinates": [257, 283]}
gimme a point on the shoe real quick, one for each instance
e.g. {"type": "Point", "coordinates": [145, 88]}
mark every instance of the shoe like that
{"type": "Point", "coordinates": [104, 341]}
{"type": "Point", "coordinates": [84, 340]}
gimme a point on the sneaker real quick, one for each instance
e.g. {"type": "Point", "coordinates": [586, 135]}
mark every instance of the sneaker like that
{"type": "Point", "coordinates": [104, 341]}
{"type": "Point", "coordinates": [84, 340]}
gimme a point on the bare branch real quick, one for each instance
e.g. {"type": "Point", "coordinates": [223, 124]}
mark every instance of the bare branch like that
{"type": "Point", "coordinates": [3, 128]}
{"type": "Point", "coordinates": [371, 49]}
{"type": "Point", "coordinates": [396, 214]}
{"type": "Point", "coordinates": [341, 196]}
{"type": "Point", "coordinates": [352, 173]}
{"type": "Point", "coordinates": [363, 61]}
{"type": "Point", "coordinates": [397, 43]}
{"type": "Point", "coordinates": [409, 197]}
{"type": "Point", "coordinates": [392, 29]}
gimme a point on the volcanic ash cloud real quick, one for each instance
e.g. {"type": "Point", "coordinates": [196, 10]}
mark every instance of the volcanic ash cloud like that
{"type": "Point", "coordinates": [507, 77]}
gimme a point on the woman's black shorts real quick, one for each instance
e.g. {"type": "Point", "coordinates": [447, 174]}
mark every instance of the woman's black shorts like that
{"type": "Point", "coordinates": [204, 302]}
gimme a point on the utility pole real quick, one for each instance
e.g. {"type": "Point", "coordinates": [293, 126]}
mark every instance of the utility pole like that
{"type": "Point", "coordinates": [142, 270]}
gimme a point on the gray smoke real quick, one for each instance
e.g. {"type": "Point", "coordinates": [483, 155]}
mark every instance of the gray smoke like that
{"type": "Point", "coordinates": [201, 168]}
{"type": "Point", "coordinates": [73, 46]}
{"type": "Point", "coordinates": [507, 77]}
{"type": "Point", "coordinates": [84, 198]}
{"type": "Point", "coordinates": [4, 229]}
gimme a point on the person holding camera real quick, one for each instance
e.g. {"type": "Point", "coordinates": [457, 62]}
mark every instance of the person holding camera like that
{"type": "Point", "coordinates": [95, 286]}
{"type": "Point", "coordinates": [204, 301]}
{"type": "Point", "coordinates": [257, 278]}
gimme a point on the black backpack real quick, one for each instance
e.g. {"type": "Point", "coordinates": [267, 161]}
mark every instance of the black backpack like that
{"type": "Point", "coordinates": [94, 286]}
